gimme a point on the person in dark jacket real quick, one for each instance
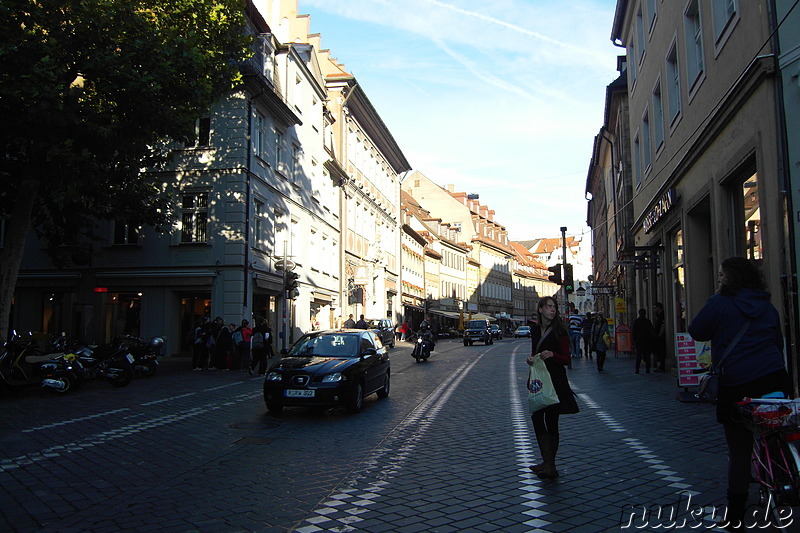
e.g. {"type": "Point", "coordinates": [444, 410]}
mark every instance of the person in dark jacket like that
{"type": "Point", "coordinates": [599, 330]}
{"type": "Point", "coordinates": [644, 338]}
{"type": "Point", "coordinates": [754, 365]}
{"type": "Point", "coordinates": [550, 341]}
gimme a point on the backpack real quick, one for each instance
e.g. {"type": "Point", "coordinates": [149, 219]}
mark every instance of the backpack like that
{"type": "Point", "coordinates": [257, 340]}
{"type": "Point", "coordinates": [237, 337]}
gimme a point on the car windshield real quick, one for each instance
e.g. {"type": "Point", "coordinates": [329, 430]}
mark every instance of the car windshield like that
{"type": "Point", "coordinates": [374, 324]}
{"type": "Point", "coordinates": [523, 328]}
{"type": "Point", "coordinates": [326, 346]}
{"type": "Point", "coordinates": [477, 324]}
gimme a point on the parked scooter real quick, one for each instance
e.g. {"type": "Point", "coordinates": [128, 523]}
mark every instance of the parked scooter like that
{"type": "Point", "coordinates": [21, 360]}
{"type": "Point", "coordinates": [145, 353]}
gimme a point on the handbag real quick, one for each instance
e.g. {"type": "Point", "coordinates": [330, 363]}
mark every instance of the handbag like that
{"type": "Point", "coordinates": [708, 391]}
{"type": "Point", "coordinates": [541, 392]}
{"type": "Point", "coordinates": [607, 340]}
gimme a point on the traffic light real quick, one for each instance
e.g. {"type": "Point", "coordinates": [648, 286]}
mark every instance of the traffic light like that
{"type": "Point", "coordinates": [555, 277]}
{"type": "Point", "coordinates": [569, 284]}
{"type": "Point", "coordinates": [291, 284]}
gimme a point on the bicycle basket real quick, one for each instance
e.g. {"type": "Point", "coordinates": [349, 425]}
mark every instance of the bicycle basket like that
{"type": "Point", "coordinates": [765, 417]}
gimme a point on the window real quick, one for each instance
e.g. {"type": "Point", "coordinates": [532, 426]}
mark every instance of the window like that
{"type": "Point", "coordinates": [259, 224]}
{"type": "Point", "coordinates": [673, 84]}
{"type": "Point", "coordinates": [631, 66]}
{"type": "Point", "coordinates": [637, 161]}
{"type": "Point", "coordinates": [194, 217]}
{"type": "Point", "coordinates": [202, 130]}
{"type": "Point", "coordinates": [640, 34]}
{"type": "Point", "coordinates": [260, 136]}
{"type": "Point", "coordinates": [280, 156]}
{"type": "Point", "coordinates": [258, 53]}
{"type": "Point", "coordinates": [125, 233]}
{"type": "Point", "coordinates": [651, 13]}
{"type": "Point", "coordinates": [724, 12]}
{"type": "Point", "coordinates": [646, 147]}
{"type": "Point", "coordinates": [751, 218]}
{"type": "Point", "coordinates": [294, 164]}
{"type": "Point", "coordinates": [658, 117]}
{"type": "Point", "coordinates": [694, 42]}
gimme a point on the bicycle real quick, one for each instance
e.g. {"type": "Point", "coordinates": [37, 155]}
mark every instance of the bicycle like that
{"type": "Point", "coordinates": [775, 423]}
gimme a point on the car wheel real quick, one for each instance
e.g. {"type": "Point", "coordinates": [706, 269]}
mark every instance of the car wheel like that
{"type": "Point", "coordinates": [356, 400]}
{"type": "Point", "coordinates": [384, 392]}
{"type": "Point", "coordinates": [393, 342]}
{"type": "Point", "coordinates": [274, 407]}
{"type": "Point", "coordinates": [466, 342]}
{"type": "Point", "coordinates": [490, 341]}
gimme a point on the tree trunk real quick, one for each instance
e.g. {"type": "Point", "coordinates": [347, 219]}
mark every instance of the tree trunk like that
{"type": "Point", "coordinates": [18, 228]}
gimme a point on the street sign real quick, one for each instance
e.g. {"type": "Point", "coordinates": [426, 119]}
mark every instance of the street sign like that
{"type": "Point", "coordinates": [605, 289]}
{"type": "Point", "coordinates": [285, 264]}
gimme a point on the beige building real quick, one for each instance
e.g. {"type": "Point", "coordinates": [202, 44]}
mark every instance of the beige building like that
{"type": "Point", "coordinates": [491, 255]}
{"type": "Point", "coordinates": [704, 147]}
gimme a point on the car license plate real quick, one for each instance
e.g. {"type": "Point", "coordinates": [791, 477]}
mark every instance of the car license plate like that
{"type": "Point", "coordinates": [295, 393]}
{"type": "Point", "coordinates": [130, 358]}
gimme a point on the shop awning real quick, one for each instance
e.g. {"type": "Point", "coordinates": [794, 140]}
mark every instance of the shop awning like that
{"type": "Point", "coordinates": [479, 316]}
{"type": "Point", "coordinates": [448, 314]}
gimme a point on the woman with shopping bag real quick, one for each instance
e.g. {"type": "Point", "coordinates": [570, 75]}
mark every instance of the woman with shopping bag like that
{"type": "Point", "coordinates": [549, 345]}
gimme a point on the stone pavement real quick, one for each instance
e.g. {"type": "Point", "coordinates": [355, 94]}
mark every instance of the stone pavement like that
{"type": "Point", "coordinates": [460, 463]}
{"type": "Point", "coordinates": [448, 451]}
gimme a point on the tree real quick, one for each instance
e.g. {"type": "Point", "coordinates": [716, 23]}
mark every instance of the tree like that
{"type": "Point", "coordinates": [90, 93]}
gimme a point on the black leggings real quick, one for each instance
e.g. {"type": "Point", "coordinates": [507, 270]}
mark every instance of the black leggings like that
{"type": "Point", "coordinates": [740, 450]}
{"type": "Point", "coordinates": [545, 421]}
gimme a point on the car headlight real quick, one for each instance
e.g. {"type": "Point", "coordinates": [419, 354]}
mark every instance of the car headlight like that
{"type": "Point", "coordinates": [333, 378]}
{"type": "Point", "coordinates": [274, 376]}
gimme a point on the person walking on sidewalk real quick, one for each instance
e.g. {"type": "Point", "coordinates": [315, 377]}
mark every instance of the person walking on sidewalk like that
{"type": "Point", "coordinates": [586, 333]}
{"type": "Point", "coordinates": [599, 331]}
{"type": "Point", "coordinates": [550, 341]}
{"type": "Point", "coordinates": [644, 337]}
{"type": "Point", "coordinates": [660, 346]}
{"type": "Point", "coordinates": [575, 323]}
{"type": "Point", "coordinates": [745, 329]}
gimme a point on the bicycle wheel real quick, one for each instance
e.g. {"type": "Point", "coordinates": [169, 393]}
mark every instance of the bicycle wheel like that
{"type": "Point", "coordinates": [776, 466]}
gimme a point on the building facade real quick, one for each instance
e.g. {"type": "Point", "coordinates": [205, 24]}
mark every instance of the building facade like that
{"type": "Point", "coordinates": [705, 145]}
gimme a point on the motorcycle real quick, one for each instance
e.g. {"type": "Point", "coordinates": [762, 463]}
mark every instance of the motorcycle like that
{"type": "Point", "coordinates": [145, 353]}
{"type": "Point", "coordinates": [423, 346]}
{"type": "Point", "coordinates": [80, 364]}
{"type": "Point", "coordinates": [21, 360]}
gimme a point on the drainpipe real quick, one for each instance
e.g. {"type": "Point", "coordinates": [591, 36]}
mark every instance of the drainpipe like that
{"type": "Point", "coordinates": [787, 229]}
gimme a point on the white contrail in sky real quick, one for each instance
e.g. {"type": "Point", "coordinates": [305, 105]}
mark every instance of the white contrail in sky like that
{"type": "Point", "coordinates": [514, 27]}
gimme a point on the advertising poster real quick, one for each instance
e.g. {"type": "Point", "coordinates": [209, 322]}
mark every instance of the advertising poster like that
{"type": "Point", "coordinates": [691, 355]}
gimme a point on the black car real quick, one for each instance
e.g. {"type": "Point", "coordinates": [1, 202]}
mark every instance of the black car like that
{"type": "Point", "coordinates": [477, 330]}
{"type": "Point", "coordinates": [328, 368]}
{"type": "Point", "coordinates": [496, 332]}
{"type": "Point", "coordinates": [384, 328]}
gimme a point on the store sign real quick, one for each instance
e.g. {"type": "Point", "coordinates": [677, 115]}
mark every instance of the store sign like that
{"type": "Point", "coordinates": [661, 208]}
{"type": "Point", "coordinates": [692, 355]}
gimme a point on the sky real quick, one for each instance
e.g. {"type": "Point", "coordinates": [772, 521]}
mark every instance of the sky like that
{"type": "Point", "coordinates": [501, 98]}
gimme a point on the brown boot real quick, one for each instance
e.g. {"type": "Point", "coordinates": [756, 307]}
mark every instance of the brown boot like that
{"type": "Point", "coordinates": [548, 470]}
{"type": "Point", "coordinates": [544, 448]}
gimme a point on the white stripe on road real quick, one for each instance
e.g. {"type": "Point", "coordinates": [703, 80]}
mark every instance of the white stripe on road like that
{"type": "Point", "coordinates": [644, 453]}
{"type": "Point", "coordinates": [99, 439]}
{"type": "Point", "coordinates": [340, 512]}
{"type": "Point", "coordinates": [524, 446]}
{"type": "Point", "coordinates": [73, 420]}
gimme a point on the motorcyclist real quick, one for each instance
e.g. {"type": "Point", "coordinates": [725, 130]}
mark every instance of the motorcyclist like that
{"type": "Point", "coordinates": [426, 333]}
